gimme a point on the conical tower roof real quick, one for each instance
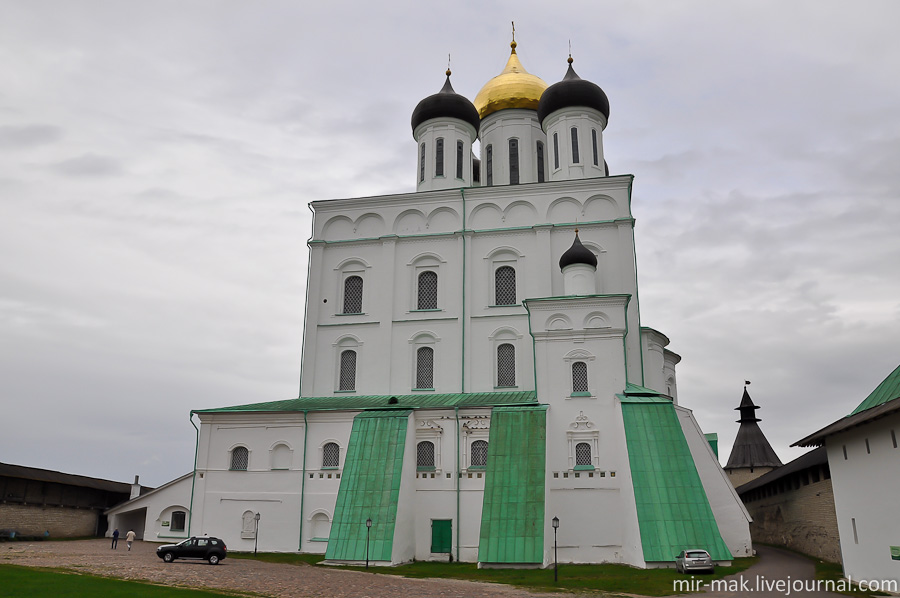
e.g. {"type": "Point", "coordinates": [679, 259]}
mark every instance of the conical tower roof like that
{"type": "Point", "coordinates": [751, 448]}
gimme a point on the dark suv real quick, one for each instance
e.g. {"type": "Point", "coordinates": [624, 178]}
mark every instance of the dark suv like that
{"type": "Point", "coordinates": [206, 548]}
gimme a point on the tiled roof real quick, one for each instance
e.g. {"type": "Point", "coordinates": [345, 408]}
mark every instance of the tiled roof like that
{"type": "Point", "coordinates": [888, 390]}
{"type": "Point", "coordinates": [352, 402]}
{"type": "Point", "coordinates": [512, 517]}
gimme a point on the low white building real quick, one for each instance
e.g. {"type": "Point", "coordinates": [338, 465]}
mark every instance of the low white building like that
{"type": "Point", "coordinates": [474, 366]}
{"type": "Point", "coordinates": [864, 460]}
{"type": "Point", "coordinates": [160, 515]}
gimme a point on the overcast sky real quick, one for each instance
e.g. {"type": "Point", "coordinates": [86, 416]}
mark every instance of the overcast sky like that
{"type": "Point", "coordinates": [157, 159]}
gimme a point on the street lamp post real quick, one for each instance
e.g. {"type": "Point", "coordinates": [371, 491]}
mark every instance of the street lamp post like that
{"type": "Point", "coordinates": [555, 556]}
{"type": "Point", "coordinates": [256, 535]}
{"type": "Point", "coordinates": [368, 528]}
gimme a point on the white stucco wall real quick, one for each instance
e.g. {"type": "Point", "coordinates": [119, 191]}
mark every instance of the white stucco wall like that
{"type": "Point", "coordinates": [151, 514]}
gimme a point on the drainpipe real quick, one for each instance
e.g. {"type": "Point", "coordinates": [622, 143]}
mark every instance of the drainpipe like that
{"type": "Point", "coordinates": [458, 478]}
{"type": "Point", "coordinates": [194, 478]}
{"type": "Point", "coordinates": [303, 482]}
{"type": "Point", "coordinates": [462, 384]}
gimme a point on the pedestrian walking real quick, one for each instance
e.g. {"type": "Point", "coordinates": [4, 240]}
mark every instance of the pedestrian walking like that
{"type": "Point", "coordinates": [115, 540]}
{"type": "Point", "coordinates": [129, 538]}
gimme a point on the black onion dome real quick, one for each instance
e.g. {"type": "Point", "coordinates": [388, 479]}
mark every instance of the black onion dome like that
{"type": "Point", "coordinates": [577, 254]}
{"type": "Point", "coordinates": [445, 104]}
{"type": "Point", "coordinates": [572, 91]}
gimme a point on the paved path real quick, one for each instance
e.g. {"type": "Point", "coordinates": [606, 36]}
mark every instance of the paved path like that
{"type": "Point", "coordinates": [280, 581]}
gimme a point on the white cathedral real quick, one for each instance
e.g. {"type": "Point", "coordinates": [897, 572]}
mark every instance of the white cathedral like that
{"type": "Point", "coordinates": [474, 367]}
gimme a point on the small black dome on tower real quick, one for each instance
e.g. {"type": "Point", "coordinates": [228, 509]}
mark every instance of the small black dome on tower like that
{"type": "Point", "coordinates": [572, 91]}
{"type": "Point", "coordinates": [577, 254]}
{"type": "Point", "coordinates": [445, 104]}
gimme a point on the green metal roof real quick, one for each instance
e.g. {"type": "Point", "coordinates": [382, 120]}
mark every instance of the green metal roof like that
{"type": "Point", "coordinates": [370, 487]}
{"type": "Point", "coordinates": [672, 507]}
{"type": "Point", "coordinates": [634, 393]}
{"type": "Point", "coordinates": [352, 402]}
{"type": "Point", "coordinates": [888, 390]}
{"type": "Point", "coordinates": [512, 515]}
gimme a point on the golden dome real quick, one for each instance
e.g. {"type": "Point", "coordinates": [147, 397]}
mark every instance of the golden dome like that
{"type": "Point", "coordinates": [513, 88]}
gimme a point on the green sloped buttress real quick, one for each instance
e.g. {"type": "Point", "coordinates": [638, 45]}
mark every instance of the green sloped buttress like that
{"type": "Point", "coordinates": [672, 507]}
{"type": "Point", "coordinates": [512, 516]}
{"type": "Point", "coordinates": [370, 487]}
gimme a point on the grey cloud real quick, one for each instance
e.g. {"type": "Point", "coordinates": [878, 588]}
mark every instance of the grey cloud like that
{"type": "Point", "coordinates": [28, 136]}
{"type": "Point", "coordinates": [89, 165]}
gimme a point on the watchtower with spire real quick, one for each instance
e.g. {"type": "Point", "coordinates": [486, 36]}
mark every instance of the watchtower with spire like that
{"type": "Point", "coordinates": [751, 455]}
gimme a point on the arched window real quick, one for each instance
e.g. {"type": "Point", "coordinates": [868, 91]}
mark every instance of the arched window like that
{"type": "Point", "coordinates": [425, 455]}
{"type": "Point", "coordinates": [579, 377]}
{"type": "Point", "coordinates": [439, 157]}
{"type": "Point", "coordinates": [281, 457]}
{"type": "Point", "coordinates": [479, 453]}
{"type": "Point", "coordinates": [425, 367]}
{"type": "Point", "coordinates": [353, 294]}
{"type": "Point", "coordinates": [331, 455]}
{"type": "Point", "coordinates": [575, 158]}
{"type": "Point", "coordinates": [489, 167]}
{"type": "Point", "coordinates": [594, 145]}
{"type": "Point", "coordinates": [506, 365]}
{"type": "Point", "coordinates": [582, 454]}
{"type": "Point", "coordinates": [177, 523]}
{"type": "Point", "coordinates": [513, 161]}
{"type": "Point", "coordinates": [459, 159]}
{"type": "Point", "coordinates": [505, 286]}
{"type": "Point", "coordinates": [427, 290]}
{"type": "Point", "coordinates": [240, 456]}
{"type": "Point", "coordinates": [540, 161]}
{"type": "Point", "coordinates": [347, 379]}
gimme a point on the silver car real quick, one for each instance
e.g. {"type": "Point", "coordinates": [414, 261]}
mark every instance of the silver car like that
{"type": "Point", "coordinates": [693, 560]}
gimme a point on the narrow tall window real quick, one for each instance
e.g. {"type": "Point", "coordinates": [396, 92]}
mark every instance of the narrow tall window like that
{"type": "Point", "coordinates": [331, 455]}
{"type": "Point", "coordinates": [347, 379]}
{"type": "Point", "coordinates": [240, 456]}
{"type": "Point", "coordinates": [582, 453]}
{"type": "Point", "coordinates": [177, 523]}
{"type": "Point", "coordinates": [513, 161]}
{"type": "Point", "coordinates": [425, 455]}
{"type": "Point", "coordinates": [855, 535]}
{"type": "Point", "coordinates": [894, 438]}
{"type": "Point", "coordinates": [459, 159]}
{"type": "Point", "coordinates": [489, 167]}
{"type": "Point", "coordinates": [506, 365]}
{"type": "Point", "coordinates": [353, 293]}
{"type": "Point", "coordinates": [575, 158]}
{"type": "Point", "coordinates": [439, 157]}
{"type": "Point", "coordinates": [425, 367]}
{"type": "Point", "coordinates": [427, 298]}
{"type": "Point", "coordinates": [579, 377]}
{"type": "Point", "coordinates": [555, 151]}
{"type": "Point", "coordinates": [540, 162]}
{"type": "Point", "coordinates": [479, 453]}
{"type": "Point", "coordinates": [422, 163]}
{"type": "Point", "coordinates": [505, 286]}
{"type": "Point", "coordinates": [594, 145]}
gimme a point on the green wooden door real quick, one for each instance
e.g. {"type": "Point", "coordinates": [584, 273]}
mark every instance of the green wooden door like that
{"type": "Point", "coordinates": [441, 535]}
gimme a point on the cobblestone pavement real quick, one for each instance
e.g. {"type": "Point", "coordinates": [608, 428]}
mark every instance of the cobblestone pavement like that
{"type": "Point", "coordinates": [269, 579]}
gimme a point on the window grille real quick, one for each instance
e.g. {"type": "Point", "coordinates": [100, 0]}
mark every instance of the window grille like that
{"type": "Point", "coordinates": [575, 158]}
{"type": "Point", "coordinates": [427, 290]}
{"type": "Point", "coordinates": [506, 365]}
{"type": "Point", "coordinates": [240, 456]}
{"type": "Point", "coordinates": [425, 368]}
{"type": "Point", "coordinates": [459, 159]}
{"type": "Point", "coordinates": [594, 144]}
{"type": "Point", "coordinates": [353, 292]}
{"type": "Point", "coordinates": [555, 151]}
{"type": "Point", "coordinates": [540, 162]}
{"type": "Point", "coordinates": [348, 371]}
{"type": "Point", "coordinates": [331, 455]}
{"type": "Point", "coordinates": [505, 286]}
{"type": "Point", "coordinates": [579, 377]}
{"type": "Point", "coordinates": [582, 453]}
{"type": "Point", "coordinates": [177, 523]}
{"type": "Point", "coordinates": [513, 161]}
{"type": "Point", "coordinates": [479, 453]}
{"type": "Point", "coordinates": [422, 163]}
{"type": "Point", "coordinates": [439, 157]}
{"type": "Point", "coordinates": [425, 454]}
{"type": "Point", "coordinates": [489, 169]}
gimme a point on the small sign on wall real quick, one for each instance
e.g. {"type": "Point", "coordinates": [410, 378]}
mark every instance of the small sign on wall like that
{"type": "Point", "coordinates": [165, 524]}
{"type": "Point", "coordinates": [895, 553]}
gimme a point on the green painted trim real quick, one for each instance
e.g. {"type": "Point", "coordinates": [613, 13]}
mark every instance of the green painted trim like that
{"type": "Point", "coordinates": [303, 481]}
{"type": "Point", "coordinates": [422, 319]}
{"type": "Point", "coordinates": [422, 390]}
{"type": "Point", "coordinates": [584, 468]}
{"type": "Point", "coordinates": [596, 296]}
{"type": "Point", "coordinates": [318, 539]}
{"type": "Point", "coordinates": [421, 310]}
{"type": "Point", "coordinates": [426, 468]}
{"type": "Point", "coordinates": [194, 477]}
{"type": "Point", "coordinates": [369, 323]}
{"type": "Point", "coordinates": [581, 394]}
